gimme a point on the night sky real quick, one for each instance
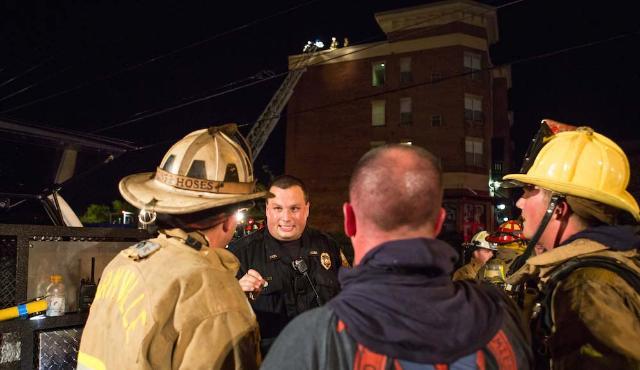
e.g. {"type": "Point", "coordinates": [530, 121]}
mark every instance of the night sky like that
{"type": "Point", "coordinates": [96, 66]}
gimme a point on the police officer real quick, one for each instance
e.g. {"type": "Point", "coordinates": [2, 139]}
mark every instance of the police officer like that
{"type": "Point", "coordinates": [575, 205]}
{"type": "Point", "coordinates": [287, 267]}
{"type": "Point", "coordinates": [173, 301]}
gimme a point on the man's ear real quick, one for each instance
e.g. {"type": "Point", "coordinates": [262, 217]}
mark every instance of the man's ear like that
{"type": "Point", "coordinates": [229, 223]}
{"type": "Point", "coordinates": [437, 227]}
{"type": "Point", "coordinates": [562, 210]}
{"type": "Point", "coordinates": [349, 220]}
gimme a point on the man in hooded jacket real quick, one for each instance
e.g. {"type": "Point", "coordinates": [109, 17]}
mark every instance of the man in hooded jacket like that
{"type": "Point", "coordinates": [398, 307]}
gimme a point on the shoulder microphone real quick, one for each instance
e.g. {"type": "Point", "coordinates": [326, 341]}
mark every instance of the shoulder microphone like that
{"type": "Point", "coordinates": [301, 266]}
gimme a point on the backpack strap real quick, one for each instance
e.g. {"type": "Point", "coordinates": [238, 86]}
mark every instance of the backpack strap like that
{"type": "Point", "coordinates": [564, 270]}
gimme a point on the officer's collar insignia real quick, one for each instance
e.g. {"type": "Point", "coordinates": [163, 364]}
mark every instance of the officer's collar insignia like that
{"type": "Point", "coordinates": [313, 253]}
{"type": "Point", "coordinates": [325, 260]}
{"type": "Point", "coordinates": [273, 257]}
{"type": "Point", "coordinates": [193, 243]}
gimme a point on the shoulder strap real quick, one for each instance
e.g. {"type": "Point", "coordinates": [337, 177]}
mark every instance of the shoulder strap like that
{"type": "Point", "coordinates": [563, 271]}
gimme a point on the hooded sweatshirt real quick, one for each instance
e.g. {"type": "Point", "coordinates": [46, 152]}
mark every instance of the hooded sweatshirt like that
{"type": "Point", "coordinates": [400, 302]}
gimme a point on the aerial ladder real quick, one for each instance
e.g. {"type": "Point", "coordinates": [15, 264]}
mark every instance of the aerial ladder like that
{"type": "Point", "coordinates": [263, 127]}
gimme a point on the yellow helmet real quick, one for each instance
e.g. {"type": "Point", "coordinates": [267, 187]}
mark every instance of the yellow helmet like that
{"type": "Point", "coordinates": [208, 168]}
{"type": "Point", "coordinates": [584, 164]}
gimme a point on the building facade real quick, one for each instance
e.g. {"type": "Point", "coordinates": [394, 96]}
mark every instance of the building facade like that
{"type": "Point", "coordinates": [431, 83]}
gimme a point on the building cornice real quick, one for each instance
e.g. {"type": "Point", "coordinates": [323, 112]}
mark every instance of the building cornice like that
{"type": "Point", "coordinates": [440, 13]}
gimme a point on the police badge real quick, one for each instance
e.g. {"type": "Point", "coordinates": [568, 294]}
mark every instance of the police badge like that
{"type": "Point", "coordinates": [325, 260]}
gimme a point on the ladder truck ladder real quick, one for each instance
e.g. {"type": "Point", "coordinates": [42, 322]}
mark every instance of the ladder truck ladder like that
{"type": "Point", "coordinates": [265, 124]}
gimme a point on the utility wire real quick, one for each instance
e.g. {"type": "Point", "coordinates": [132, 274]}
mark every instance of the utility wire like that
{"type": "Point", "coordinates": [27, 88]}
{"type": "Point", "coordinates": [25, 72]}
{"type": "Point", "coordinates": [159, 57]}
{"type": "Point", "coordinates": [214, 95]}
{"type": "Point", "coordinates": [451, 77]}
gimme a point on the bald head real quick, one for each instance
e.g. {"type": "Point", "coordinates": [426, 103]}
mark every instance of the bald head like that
{"type": "Point", "coordinates": [395, 187]}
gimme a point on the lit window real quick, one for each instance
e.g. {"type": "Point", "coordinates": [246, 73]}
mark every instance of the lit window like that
{"type": "Point", "coordinates": [473, 64]}
{"type": "Point", "coordinates": [405, 70]}
{"type": "Point", "coordinates": [436, 120]}
{"type": "Point", "coordinates": [377, 113]}
{"type": "Point", "coordinates": [377, 73]}
{"type": "Point", "coordinates": [405, 111]}
{"type": "Point", "coordinates": [407, 142]}
{"type": "Point", "coordinates": [473, 108]}
{"type": "Point", "coordinates": [474, 151]}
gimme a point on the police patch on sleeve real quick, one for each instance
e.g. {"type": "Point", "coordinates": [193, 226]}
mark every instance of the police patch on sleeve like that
{"type": "Point", "coordinates": [325, 260]}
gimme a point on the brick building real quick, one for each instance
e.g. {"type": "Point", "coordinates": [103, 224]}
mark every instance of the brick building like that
{"type": "Point", "coordinates": [431, 83]}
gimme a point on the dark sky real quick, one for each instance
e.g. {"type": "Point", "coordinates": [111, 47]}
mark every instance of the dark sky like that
{"type": "Point", "coordinates": [88, 66]}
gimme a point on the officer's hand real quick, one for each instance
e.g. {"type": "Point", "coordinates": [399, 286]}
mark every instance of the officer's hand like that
{"type": "Point", "coordinates": [252, 283]}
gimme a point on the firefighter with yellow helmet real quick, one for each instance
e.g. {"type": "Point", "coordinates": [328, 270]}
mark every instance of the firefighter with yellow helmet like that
{"type": "Point", "coordinates": [173, 301]}
{"type": "Point", "coordinates": [575, 204]}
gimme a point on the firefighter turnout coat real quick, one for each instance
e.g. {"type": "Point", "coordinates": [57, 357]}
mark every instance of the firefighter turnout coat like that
{"type": "Point", "coordinates": [162, 304]}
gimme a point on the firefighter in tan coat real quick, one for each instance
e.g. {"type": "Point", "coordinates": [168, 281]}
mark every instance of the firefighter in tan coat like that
{"type": "Point", "coordinates": [173, 302]}
{"type": "Point", "coordinates": [482, 251]}
{"type": "Point", "coordinates": [575, 204]}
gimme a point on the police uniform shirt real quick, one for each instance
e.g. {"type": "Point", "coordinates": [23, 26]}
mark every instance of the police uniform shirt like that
{"type": "Point", "coordinates": [288, 292]}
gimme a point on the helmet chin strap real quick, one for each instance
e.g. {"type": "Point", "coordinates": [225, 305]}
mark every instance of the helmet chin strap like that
{"type": "Point", "coordinates": [556, 198]}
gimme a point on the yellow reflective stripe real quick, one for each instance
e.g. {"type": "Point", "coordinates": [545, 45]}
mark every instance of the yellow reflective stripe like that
{"type": "Point", "coordinates": [86, 361]}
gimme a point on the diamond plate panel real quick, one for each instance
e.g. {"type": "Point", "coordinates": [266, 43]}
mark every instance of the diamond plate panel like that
{"type": "Point", "coordinates": [58, 349]}
{"type": "Point", "coordinates": [8, 255]}
{"type": "Point", "coordinates": [9, 348]}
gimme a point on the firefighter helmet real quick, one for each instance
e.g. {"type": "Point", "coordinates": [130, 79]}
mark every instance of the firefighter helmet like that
{"type": "Point", "coordinates": [508, 232]}
{"type": "Point", "coordinates": [206, 169]}
{"type": "Point", "coordinates": [584, 164]}
{"type": "Point", "coordinates": [479, 241]}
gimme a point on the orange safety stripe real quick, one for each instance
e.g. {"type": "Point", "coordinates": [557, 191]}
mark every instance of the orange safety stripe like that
{"type": "Point", "coordinates": [341, 326]}
{"type": "Point", "coordinates": [502, 350]}
{"type": "Point", "coordinates": [366, 359]}
{"type": "Point", "coordinates": [480, 361]}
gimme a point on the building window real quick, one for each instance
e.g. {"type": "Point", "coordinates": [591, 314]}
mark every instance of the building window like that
{"type": "Point", "coordinates": [472, 65]}
{"type": "Point", "coordinates": [473, 108]}
{"type": "Point", "coordinates": [405, 70]}
{"type": "Point", "coordinates": [436, 120]}
{"type": "Point", "coordinates": [407, 142]}
{"type": "Point", "coordinates": [376, 143]}
{"type": "Point", "coordinates": [473, 148]}
{"type": "Point", "coordinates": [377, 73]}
{"type": "Point", "coordinates": [405, 111]}
{"type": "Point", "coordinates": [378, 113]}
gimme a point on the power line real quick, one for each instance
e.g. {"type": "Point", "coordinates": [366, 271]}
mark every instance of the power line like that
{"type": "Point", "coordinates": [29, 87]}
{"type": "Point", "coordinates": [160, 57]}
{"type": "Point", "coordinates": [451, 77]}
{"type": "Point", "coordinates": [194, 101]}
{"type": "Point", "coordinates": [211, 96]}
{"type": "Point", "coordinates": [25, 72]}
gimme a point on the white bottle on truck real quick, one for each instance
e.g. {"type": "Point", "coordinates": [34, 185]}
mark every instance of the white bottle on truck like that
{"type": "Point", "coordinates": [56, 300]}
